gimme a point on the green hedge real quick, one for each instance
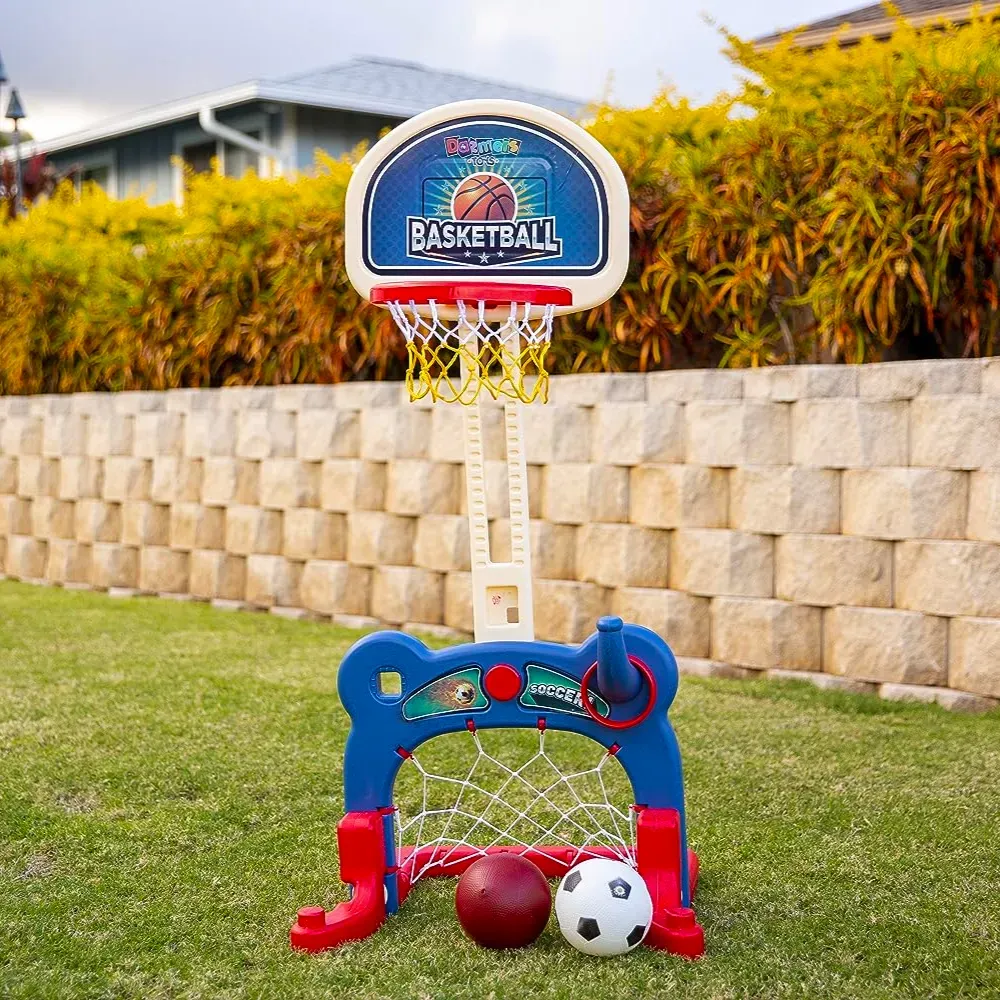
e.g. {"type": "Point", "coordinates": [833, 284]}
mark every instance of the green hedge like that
{"type": "Point", "coordinates": [841, 206]}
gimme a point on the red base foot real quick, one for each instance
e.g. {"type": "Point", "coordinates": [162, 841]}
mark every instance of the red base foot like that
{"type": "Point", "coordinates": [360, 837]}
{"type": "Point", "coordinates": [658, 852]}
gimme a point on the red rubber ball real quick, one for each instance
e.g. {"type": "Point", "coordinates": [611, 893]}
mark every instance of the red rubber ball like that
{"type": "Point", "coordinates": [503, 901]}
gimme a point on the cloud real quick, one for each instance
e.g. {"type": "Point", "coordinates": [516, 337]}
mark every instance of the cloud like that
{"type": "Point", "coordinates": [75, 63]}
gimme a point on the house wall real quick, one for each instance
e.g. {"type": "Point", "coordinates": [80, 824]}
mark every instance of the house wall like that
{"type": "Point", "coordinates": [836, 524]}
{"type": "Point", "coordinates": [142, 161]}
{"type": "Point", "coordinates": [335, 132]}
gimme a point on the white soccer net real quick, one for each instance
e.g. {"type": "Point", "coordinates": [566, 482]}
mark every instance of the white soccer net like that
{"type": "Point", "coordinates": [545, 802]}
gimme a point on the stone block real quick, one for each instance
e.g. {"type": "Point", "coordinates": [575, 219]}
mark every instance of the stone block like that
{"type": "Point", "coordinates": [375, 538]}
{"type": "Point", "coordinates": [984, 506]}
{"type": "Point", "coordinates": [273, 580]}
{"type": "Point", "coordinates": [567, 611]}
{"type": "Point", "coordinates": [713, 562]}
{"type": "Point", "coordinates": [226, 481]}
{"type": "Point", "coordinates": [37, 476]}
{"type": "Point", "coordinates": [905, 503]}
{"type": "Point", "coordinates": [158, 434]}
{"type": "Point", "coordinates": [210, 433]}
{"type": "Point", "coordinates": [679, 496]}
{"type": "Point", "coordinates": [849, 433]}
{"type": "Point", "coordinates": [441, 543]}
{"type": "Point", "coordinates": [622, 555]}
{"type": "Point", "coordinates": [8, 474]}
{"type": "Point", "coordinates": [389, 432]}
{"type": "Point", "coordinates": [322, 434]}
{"type": "Point", "coordinates": [21, 435]}
{"type": "Point", "coordinates": [762, 634]}
{"type": "Point", "coordinates": [955, 432]}
{"type": "Point", "coordinates": [689, 666]}
{"type": "Point", "coordinates": [683, 621]}
{"type": "Point", "coordinates": [287, 482]}
{"type": "Point", "coordinates": [555, 434]}
{"type": "Point", "coordinates": [109, 434]}
{"type": "Point", "coordinates": [265, 434]}
{"type": "Point", "coordinates": [416, 487]}
{"type": "Point", "coordinates": [253, 531]}
{"type": "Point", "coordinates": [25, 557]}
{"type": "Point", "coordinates": [974, 655]}
{"type": "Point", "coordinates": [348, 484]}
{"type": "Point", "coordinates": [142, 401]}
{"type": "Point", "coordinates": [553, 548]}
{"type": "Point", "coordinates": [114, 566]}
{"type": "Point", "coordinates": [825, 570]}
{"type": "Point", "coordinates": [217, 576]}
{"type": "Point", "coordinates": [176, 480]}
{"type": "Point", "coordinates": [576, 493]}
{"type": "Point", "coordinates": [946, 698]}
{"type": "Point", "coordinates": [897, 647]}
{"type": "Point", "coordinates": [447, 433]}
{"type": "Point", "coordinates": [948, 578]}
{"type": "Point", "coordinates": [825, 682]}
{"type": "Point", "coordinates": [52, 518]}
{"type": "Point", "coordinates": [598, 387]}
{"type": "Point", "coordinates": [331, 587]}
{"type": "Point", "coordinates": [144, 523]}
{"type": "Point", "coordinates": [193, 526]}
{"type": "Point", "coordinates": [635, 433]}
{"type": "Point", "coordinates": [458, 601]}
{"type": "Point", "coordinates": [97, 521]}
{"type": "Point", "coordinates": [787, 383]}
{"type": "Point", "coordinates": [127, 479]}
{"type": "Point", "coordinates": [68, 562]}
{"type": "Point", "coordinates": [314, 534]}
{"type": "Point", "coordinates": [776, 500]}
{"type": "Point", "coordinates": [407, 594]}
{"type": "Point", "coordinates": [684, 386]}
{"type": "Point", "coordinates": [163, 570]}
{"type": "Point", "coordinates": [64, 435]}
{"type": "Point", "coordinates": [366, 395]}
{"type": "Point", "coordinates": [728, 433]}
{"type": "Point", "coordinates": [15, 516]}
{"type": "Point", "coordinates": [80, 478]}
{"type": "Point", "coordinates": [909, 379]}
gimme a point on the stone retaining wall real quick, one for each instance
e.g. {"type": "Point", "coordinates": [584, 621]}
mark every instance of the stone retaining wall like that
{"type": "Point", "coordinates": [839, 522]}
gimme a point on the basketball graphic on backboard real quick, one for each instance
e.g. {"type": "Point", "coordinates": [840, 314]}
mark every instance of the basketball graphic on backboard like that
{"type": "Point", "coordinates": [484, 198]}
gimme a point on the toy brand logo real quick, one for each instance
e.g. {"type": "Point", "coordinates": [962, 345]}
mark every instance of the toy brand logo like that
{"type": "Point", "coordinates": [481, 152]}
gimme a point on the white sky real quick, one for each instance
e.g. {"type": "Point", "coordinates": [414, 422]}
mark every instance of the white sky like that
{"type": "Point", "coordinates": [76, 62]}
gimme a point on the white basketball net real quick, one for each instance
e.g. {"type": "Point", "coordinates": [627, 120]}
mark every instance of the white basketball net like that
{"type": "Point", "coordinates": [533, 806]}
{"type": "Point", "coordinates": [453, 360]}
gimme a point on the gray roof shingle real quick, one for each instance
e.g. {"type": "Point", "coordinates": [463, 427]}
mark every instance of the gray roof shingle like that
{"type": "Point", "coordinates": [401, 83]}
{"type": "Point", "coordinates": [874, 14]}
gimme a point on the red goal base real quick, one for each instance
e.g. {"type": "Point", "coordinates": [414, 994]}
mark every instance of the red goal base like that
{"type": "Point", "coordinates": [361, 839]}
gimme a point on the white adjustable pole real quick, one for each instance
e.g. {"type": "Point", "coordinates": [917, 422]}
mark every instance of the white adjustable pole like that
{"type": "Point", "coordinates": [501, 592]}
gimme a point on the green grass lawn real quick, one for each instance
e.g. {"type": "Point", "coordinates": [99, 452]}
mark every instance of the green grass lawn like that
{"type": "Point", "coordinates": [170, 782]}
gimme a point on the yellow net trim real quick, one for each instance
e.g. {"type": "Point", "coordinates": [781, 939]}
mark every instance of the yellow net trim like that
{"type": "Point", "coordinates": [453, 361]}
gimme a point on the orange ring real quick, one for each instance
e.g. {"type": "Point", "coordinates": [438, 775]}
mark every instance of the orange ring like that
{"type": "Point", "coordinates": [620, 723]}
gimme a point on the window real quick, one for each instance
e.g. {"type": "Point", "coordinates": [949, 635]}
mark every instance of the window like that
{"type": "Point", "coordinates": [199, 156]}
{"type": "Point", "coordinates": [99, 169]}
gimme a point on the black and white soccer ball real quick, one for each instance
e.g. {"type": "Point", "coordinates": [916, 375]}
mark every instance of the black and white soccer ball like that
{"type": "Point", "coordinates": [603, 907]}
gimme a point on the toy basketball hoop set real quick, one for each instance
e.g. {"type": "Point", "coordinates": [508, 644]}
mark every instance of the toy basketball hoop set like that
{"type": "Point", "coordinates": [476, 224]}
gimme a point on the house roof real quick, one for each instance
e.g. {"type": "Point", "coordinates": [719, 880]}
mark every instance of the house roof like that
{"type": "Point", "coordinates": [874, 20]}
{"type": "Point", "coordinates": [387, 87]}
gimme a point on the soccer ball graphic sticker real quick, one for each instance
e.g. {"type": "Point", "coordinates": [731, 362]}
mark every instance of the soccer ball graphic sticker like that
{"type": "Point", "coordinates": [603, 907]}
